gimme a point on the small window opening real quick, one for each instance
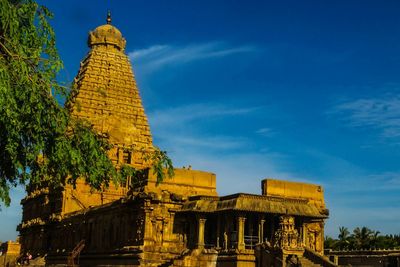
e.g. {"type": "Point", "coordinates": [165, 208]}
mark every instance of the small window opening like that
{"type": "Point", "coordinates": [127, 157]}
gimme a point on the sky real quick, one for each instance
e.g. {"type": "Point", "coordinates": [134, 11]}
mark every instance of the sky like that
{"type": "Point", "coordinates": [299, 90]}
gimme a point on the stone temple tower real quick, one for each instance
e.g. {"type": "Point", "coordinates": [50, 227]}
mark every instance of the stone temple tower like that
{"type": "Point", "coordinates": [106, 95]}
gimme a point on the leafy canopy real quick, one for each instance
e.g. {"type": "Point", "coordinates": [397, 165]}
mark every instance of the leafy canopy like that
{"type": "Point", "coordinates": [362, 238]}
{"type": "Point", "coordinates": [38, 137]}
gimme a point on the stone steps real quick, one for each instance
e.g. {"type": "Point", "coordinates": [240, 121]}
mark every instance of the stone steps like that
{"type": "Point", "coordinates": [308, 263]}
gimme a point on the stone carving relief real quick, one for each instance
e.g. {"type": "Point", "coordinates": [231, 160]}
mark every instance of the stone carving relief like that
{"type": "Point", "coordinates": [159, 231]}
{"type": "Point", "coordinates": [287, 236]}
{"type": "Point", "coordinates": [313, 238]}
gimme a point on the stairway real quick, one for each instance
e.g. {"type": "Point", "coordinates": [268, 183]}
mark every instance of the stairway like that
{"type": "Point", "coordinates": [308, 263]}
{"type": "Point", "coordinates": [312, 258]}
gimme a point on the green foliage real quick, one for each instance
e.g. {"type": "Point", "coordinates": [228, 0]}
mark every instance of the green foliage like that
{"type": "Point", "coordinates": [329, 242]}
{"type": "Point", "coordinates": [39, 140]}
{"type": "Point", "coordinates": [161, 166]}
{"type": "Point", "coordinates": [30, 117]}
{"type": "Point", "coordinates": [160, 162]}
{"type": "Point", "coordinates": [362, 238]}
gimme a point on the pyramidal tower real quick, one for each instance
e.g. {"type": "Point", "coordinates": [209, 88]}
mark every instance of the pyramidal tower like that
{"type": "Point", "coordinates": [106, 95]}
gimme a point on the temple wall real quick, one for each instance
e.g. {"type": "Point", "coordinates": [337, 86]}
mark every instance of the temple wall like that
{"type": "Point", "coordinates": [104, 229]}
{"type": "Point", "coordinates": [145, 223]}
{"type": "Point", "coordinates": [43, 206]}
{"type": "Point", "coordinates": [185, 182]}
{"type": "Point", "coordinates": [83, 197]}
{"type": "Point", "coordinates": [288, 189]}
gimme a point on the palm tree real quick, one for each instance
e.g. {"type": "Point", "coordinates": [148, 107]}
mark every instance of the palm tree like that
{"type": "Point", "coordinates": [343, 236]}
{"type": "Point", "coordinates": [343, 233]}
{"type": "Point", "coordinates": [362, 237]}
{"type": "Point", "coordinates": [374, 239]}
{"type": "Point", "coordinates": [330, 243]}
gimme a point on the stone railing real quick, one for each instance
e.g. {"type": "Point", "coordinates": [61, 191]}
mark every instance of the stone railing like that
{"type": "Point", "coordinates": [362, 252]}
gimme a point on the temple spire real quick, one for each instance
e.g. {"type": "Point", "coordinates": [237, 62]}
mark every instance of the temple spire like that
{"type": "Point", "coordinates": [107, 96]}
{"type": "Point", "coordinates": [108, 20]}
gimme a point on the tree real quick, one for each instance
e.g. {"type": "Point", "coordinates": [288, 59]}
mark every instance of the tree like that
{"type": "Point", "coordinates": [362, 237]}
{"type": "Point", "coordinates": [330, 243]}
{"type": "Point", "coordinates": [343, 236]}
{"type": "Point", "coordinates": [38, 137]}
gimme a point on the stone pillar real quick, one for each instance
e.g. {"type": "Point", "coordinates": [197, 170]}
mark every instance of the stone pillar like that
{"type": "Point", "coordinates": [240, 234]}
{"type": "Point", "coordinates": [165, 227]}
{"type": "Point", "coordinates": [171, 225]}
{"type": "Point", "coordinates": [148, 236]}
{"type": "Point", "coordinates": [201, 222]}
{"type": "Point", "coordinates": [322, 237]}
{"type": "Point", "coordinates": [226, 232]}
{"type": "Point", "coordinates": [261, 230]}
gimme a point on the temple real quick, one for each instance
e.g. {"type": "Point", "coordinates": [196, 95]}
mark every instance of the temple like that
{"type": "Point", "coordinates": [180, 222]}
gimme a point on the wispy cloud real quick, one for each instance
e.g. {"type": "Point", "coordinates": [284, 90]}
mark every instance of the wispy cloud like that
{"type": "Point", "coordinates": [266, 132]}
{"type": "Point", "coordinates": [192, 112]}
{"type": "Point", "coordinates": [181, 125]}
{"type": "Point", "coordinates": [387, 180]}
{"type": "Point", "coordinates": [220, 142]}
{"type": "Point", "coordinates": [382, 114]}
{"type": "Point", "coordinates": [367, 182]}
{"type": "Point", "coordinates": [157, 56]}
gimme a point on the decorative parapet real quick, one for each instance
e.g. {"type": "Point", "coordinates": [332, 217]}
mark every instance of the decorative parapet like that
{"type": "Point", "coordinates": [35, 194]}
{"type": "Point", "coordinates": [32, 222]}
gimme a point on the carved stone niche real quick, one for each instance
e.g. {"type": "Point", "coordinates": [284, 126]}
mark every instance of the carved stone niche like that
{"type": "Point", "coordinates": [287, 236]}
{"type": "Point", "coordinates": [314, 237]}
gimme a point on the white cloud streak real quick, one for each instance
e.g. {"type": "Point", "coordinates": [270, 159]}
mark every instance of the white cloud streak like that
{"type": "Point", "coordinates": [193, 112]}
{"type": "Point", "coordinates": [179, 126]}
{"type": "Point", "coordinates": [157, 56]}
{"type": "Point", "coordinates": [266, 132]}
{"type": "Point", "coordinates": [382, 114]}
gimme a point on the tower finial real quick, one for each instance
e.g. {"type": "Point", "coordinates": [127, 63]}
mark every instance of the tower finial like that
{"type": "Point", "coordinates": [108, 17]}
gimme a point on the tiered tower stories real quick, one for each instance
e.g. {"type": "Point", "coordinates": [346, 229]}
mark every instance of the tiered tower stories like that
{"type": "Point", "coordinates": [106, 96]}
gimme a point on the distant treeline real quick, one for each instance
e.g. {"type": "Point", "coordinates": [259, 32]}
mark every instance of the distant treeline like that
{"type": "Point", "coordinates": [362, 238]}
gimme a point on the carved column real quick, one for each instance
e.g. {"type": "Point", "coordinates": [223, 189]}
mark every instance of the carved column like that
{"type": "Point", "coordinates": [321, 237]}
{"type": "Point", "coordinates": [165, 229]}
{"type": "Point", "coordinates": [171, 225]}
{"type": "Point", "coordinates": [241, 220]}
{"type": "Point", "coordinates": [261, 230]}
{"type": "Point", "coordinates": [148, 227]}
{"type": "Point", "coordinates": [201, 222]}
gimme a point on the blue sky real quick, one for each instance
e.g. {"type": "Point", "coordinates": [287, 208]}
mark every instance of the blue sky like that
{"type": "Point", "coordinates": [299, 90]}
